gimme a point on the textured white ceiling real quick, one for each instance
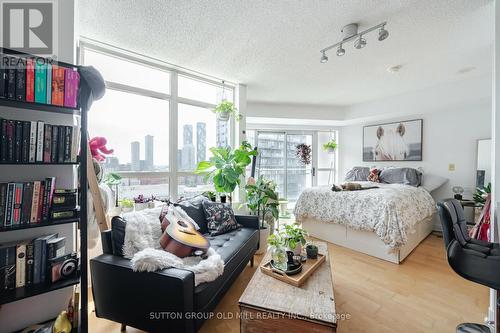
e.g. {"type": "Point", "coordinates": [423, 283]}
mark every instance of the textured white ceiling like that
{"type": "Point", "coordinates": [273, 46]}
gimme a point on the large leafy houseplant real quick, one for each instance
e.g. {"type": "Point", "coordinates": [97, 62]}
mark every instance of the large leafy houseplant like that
{"type": "Point", "coordinates": [226, 166]}
{"type": "Point", "coordinates": [262, 199]}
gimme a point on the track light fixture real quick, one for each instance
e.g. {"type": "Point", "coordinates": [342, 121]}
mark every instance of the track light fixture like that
{"type": "Point", "coordinates": [340, 51]}
{"type": "Point", "coordinates": [324, 58]}
{"type": "Point", "coordinates": [350, 33]}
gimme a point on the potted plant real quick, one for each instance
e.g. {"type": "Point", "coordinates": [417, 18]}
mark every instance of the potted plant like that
{"type": "Point", "coordinates": [212, 196]}
{"type": "Point", "coordinates": [295, 238]}
{"type": "Point", "coordinates": [262, 200]}
{"type": "Point", "coordinates": [225, 109]}
{"type": "Point", "coordinates": [226, 166]}
{"type": "Point", "coordinates": [303, 153]}
{"type": "Point", "coordinates": [481, 194]}
{"type": "Point", "coordinates": [278, 251]}
{"type": "Point", "coordinates": [330, 146]}
{"type": "Point", "coordinates": [127, 205]}
{"type": "Point", "coordinates": [141, 202]}
{"type": "Point", "coordinates": [312, 251]}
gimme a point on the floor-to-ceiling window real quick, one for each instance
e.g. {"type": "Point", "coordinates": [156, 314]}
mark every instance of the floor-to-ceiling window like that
{"type": "Point", "coordinates": [158, 121]}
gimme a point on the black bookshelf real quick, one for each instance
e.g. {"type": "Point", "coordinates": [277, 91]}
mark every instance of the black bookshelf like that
{"type": "Point", "coordinates": [38, 225]}
{"type": "Point", "coordinates": [18, 294]}
{"type": "Point", "coordinates": [26, 292]}
{"type": "Point", "coordinates": [39, 163]}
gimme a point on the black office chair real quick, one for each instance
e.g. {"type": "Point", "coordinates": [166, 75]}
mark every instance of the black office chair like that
{"type": "Point", "coordinates": [472, 259]}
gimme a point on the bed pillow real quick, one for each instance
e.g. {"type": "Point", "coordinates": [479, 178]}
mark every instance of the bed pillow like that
{"type": "Point", "coordinates": [432, 182]}
{"type": "Point", "coordinates": [220, 217]}
{"type": "Point", "coordinates": [357, 174]}
{"type": "Point", "coordinates": [406, 176]}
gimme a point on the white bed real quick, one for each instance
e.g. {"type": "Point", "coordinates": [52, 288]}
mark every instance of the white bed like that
{"type": "Point", "coordinates": [387, 222]}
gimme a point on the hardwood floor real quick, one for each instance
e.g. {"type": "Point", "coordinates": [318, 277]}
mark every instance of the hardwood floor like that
{"type": "Point", "coordinates": [421, 295]}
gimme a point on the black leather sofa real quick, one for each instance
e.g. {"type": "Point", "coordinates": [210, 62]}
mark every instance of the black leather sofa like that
{"type": "Point", "coordinates": [167, 300]}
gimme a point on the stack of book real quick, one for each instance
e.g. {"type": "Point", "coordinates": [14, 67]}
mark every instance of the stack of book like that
{"type": "Point", "coordinates": [26, 263]}
{"type": "Point", "coordinates": [26, 203]}
{"type": "Point", "coordinates": [38, 80]}
{"type": "Point", "coordinates": [37, 142]}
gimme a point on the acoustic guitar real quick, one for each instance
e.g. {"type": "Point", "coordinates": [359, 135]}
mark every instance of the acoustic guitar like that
{"type": "Point", "coordinates": [182, 239]}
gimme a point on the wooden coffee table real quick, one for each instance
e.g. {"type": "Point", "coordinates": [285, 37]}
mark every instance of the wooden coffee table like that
{"type": "Point", "coordinates": [268, 304]}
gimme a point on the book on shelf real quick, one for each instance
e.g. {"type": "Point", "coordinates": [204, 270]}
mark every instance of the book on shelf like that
{"type": "Point", "coordinates": [21, 264]}
{"type": "Point", "coordinates": [34, 79]}
{"type": "Point", "coordinates": [38, 142]}
{"type": "Point", "coordinates": [7, 266]}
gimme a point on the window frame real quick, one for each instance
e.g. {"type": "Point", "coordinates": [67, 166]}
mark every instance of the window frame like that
{"type": "Point", "coordinates": [173, 98]}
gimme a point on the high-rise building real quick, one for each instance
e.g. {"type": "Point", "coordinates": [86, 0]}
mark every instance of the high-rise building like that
{"type": "Point", "coordinates": [222, 134]}
{"type": "Point", "coordinates": [188, 151]}
{"type": "Point", "coordinates": [148, 149]}
{"type": "Point", "coordinates": [201, 142]}
{"type": "Point", "coordinates": [135, 147]}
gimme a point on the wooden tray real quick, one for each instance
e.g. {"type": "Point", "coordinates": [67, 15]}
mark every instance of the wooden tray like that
{"type": "Point", "coordinates": [308, 267]}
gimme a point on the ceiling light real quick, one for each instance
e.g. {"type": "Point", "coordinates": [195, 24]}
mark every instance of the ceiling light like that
{"type": "Point", "coordinates": [360, 42]}
{"type": "Point", "coordinates": [350, 34]}
{"type": "Point", "coordinates": [324, 58]}
{"type": "Point", "coordinates": [382, 34]}
{"type": "Point", "coordinates": [340, 51]}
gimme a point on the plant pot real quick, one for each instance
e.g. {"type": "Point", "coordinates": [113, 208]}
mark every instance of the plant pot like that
{"type": "Point", "coordinates": [127, 209]}
{"type": "Point", "coordinates": [223, 198]}
{"type": "Point", "coordinates": [140, 206]}
{"type": "Point", "coordinates": [312, 252]}
{"type": "Point", "coordinates": [264, 233]}
{"type": "Point", "coordinates": [278, 254]}
{"type": "Point", "coordinates": [330, 150]}
{"type": "Point", "coordinates": [297, 251]}
{"type": "Point", "coordinates": [224, 116]}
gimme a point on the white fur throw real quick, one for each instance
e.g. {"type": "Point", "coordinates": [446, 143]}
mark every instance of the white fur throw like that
{"type": "Point", "coordinates": [142, 246]}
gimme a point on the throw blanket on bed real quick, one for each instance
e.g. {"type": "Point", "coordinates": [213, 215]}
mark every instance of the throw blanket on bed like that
{"type": "Point", "coordinates": [391, 211]}
{"type": "Point", "coordinates": [142, 246]}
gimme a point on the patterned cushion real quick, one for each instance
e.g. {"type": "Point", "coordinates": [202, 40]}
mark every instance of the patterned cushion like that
{"type": "Point", "coordinates": [357, 174]}
{"type": "Point", "coordinates": [220, 217]}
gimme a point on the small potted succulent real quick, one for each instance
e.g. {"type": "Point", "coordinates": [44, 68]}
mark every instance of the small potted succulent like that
{"type": "Point", "coordinates": [141, 202]}
{"type": "Point", "coordinates": [127, 205]}
{"type": "Point", "coordinates": [225, 109]}
{"type": "Point", "coordinates": [295, 238]}
{"type": "Point", "coordinates": [312, 251]}
{"type": "Point", "coordinates": [330, 146]}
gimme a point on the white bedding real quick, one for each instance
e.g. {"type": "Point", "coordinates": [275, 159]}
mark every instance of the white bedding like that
{"type": "Point", "coordinates": [391, 211]}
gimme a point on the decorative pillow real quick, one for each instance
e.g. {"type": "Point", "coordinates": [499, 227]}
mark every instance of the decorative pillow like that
{"type": "Point", "coordinates": [432, 182]}
{"type": "Point", "coordinates": [220, 217]}
{"type": "Point", "coordinates": [406, 176]}
{"type": "Point", "coordinates": [374, 176]}
{"type": "Point", "coordinates": [357, 174]}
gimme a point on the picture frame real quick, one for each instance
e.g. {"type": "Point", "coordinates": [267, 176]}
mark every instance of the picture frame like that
{"type": "Point", "coordinates": [394, 141]}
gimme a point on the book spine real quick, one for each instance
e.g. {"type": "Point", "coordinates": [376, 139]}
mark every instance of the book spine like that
{"type": "Point", "coordinates": [39, 141]}
{"type": "Point", "coordinates": [18, 203]}
{"type": "Point", "coordinates": [3, 202]}
{"type": "Point", "coordinates": [40, 82]}
{"type": "Point", "coordinates": [21, 80]}
{"type": "Point", "coordinates": [47, 146]}
{"type": "Point", "coordinates": [54, 144]}
{"type": "Point", "coordinates": [37, 263]}
{"type": "Point", "coordinates": [10, 268]}
{"type": "Point", "coordinates": [75, 143]}
{"type": "Point", "coordinates": [26, 142]}
{"type": "Point", "coordinates": [10, 140]}
{"type": "Point", "coordinates": [3, 138]}
{"type": "Point", "coordinates": [3, 77]}
{"type": "Point", "coordinates": [33, 136]}
{"type": "Point", "coordinates": [47, 197]}
{"type": "Point", "coordinates": [43, 261]}
{"type": "Point", "coordinates": [30, 260]}
{"type": "Point", "coordinates": [30, 80]}
{"type": "Point", "coordinates": [72, 81]}
{"type": "Point", "coordinates": [60, 144]}
{"type": "Point", "coordinates": [18, 151]}
{"type": "Point", "coordinates": [27, 202]}
{"type": "Point", "coordinates": [58, 75]}
{"type": "Point", "coordinates": [35, 201]}
{"type": "Point", "coordinates": [11, 78]}
{"type": "Point", "coordinates": [52, 188]}
{"type": "Point", "coordinates": [20, 265]}
{"type": "Point", "coordinates": [9, 204]}
{"type": "Point", "coordinates": [67, 143]}
{"type": "Point", "coordinates": [40, 202]}
{"type": "Point", "coordinates": [49, 84]}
